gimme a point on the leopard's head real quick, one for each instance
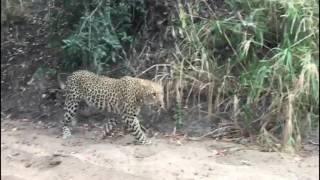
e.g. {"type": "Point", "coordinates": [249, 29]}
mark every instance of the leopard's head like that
{"type": "Point", "coordinates": [153, 94]}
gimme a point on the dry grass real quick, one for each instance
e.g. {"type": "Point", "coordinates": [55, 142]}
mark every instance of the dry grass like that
{"type": "Point", "coordinates": [265, 75]}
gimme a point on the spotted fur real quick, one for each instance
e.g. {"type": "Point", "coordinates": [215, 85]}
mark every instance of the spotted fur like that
{"type": "Point", "coordinates": [123, 96]}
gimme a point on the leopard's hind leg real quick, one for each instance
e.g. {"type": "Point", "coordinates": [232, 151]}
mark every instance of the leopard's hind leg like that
{"type": "Point", "coordinates": [108, 127]}
{"type": "Point", "coordinates": [71, 107]}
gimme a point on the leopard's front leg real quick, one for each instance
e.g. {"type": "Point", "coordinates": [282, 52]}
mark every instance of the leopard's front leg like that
{"type": "Point", "coordinates": [71, 107]}
{"type": "Point", "coordinates": [134, 127]}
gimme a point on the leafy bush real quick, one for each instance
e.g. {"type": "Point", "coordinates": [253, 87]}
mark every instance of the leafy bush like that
{"type": "Point", "coordinates": [100, 30]}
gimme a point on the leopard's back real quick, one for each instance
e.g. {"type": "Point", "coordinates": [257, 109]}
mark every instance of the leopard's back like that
{"type": "Point", "coordinates": [98, 91]}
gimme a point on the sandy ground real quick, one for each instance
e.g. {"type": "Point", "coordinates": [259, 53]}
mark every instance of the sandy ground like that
{"type": "Point", "coordinates": [34, 152]}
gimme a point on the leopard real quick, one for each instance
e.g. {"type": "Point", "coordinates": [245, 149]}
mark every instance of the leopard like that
{"type": "Point", "coordinates": [123, 96]}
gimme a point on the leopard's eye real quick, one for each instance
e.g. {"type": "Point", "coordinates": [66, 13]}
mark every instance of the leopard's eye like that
{"type": "Point", "coordinates": [154, 94]}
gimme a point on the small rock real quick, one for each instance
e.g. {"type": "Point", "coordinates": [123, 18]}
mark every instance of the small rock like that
{"type": "Point", "coordinates": [27, 165]}
{"type": "Point", "coordinates": [244, 162]}
{"type": "Point", "coordinates": [25, 120]}
{"type": "Point", "coordinates": [14, 129]}
{"type": "Point", "coordinates": [3, 147]}
{"type": "Point", "coordinates": [15, 154]}
{"type": "Point", "coordinates": [55, 163]}
{"type": "Point", "coordinates": [297, 159]}
{"type": "Point", "coordinates": [179, 142]}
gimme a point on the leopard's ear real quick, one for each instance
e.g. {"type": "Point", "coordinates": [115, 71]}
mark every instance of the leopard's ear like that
{"type": "Point", "coordinates": [62, 80]}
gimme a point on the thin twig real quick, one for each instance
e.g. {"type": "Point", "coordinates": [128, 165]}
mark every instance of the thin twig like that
{"type": "Point", "coordinates": [148, 69]}
{"type": "Point", "coordinates": [208, 134]}
{"type": "Point", "coordinates": [313, 143]}
{"type": "Point", "coordinates": [91, 14]}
